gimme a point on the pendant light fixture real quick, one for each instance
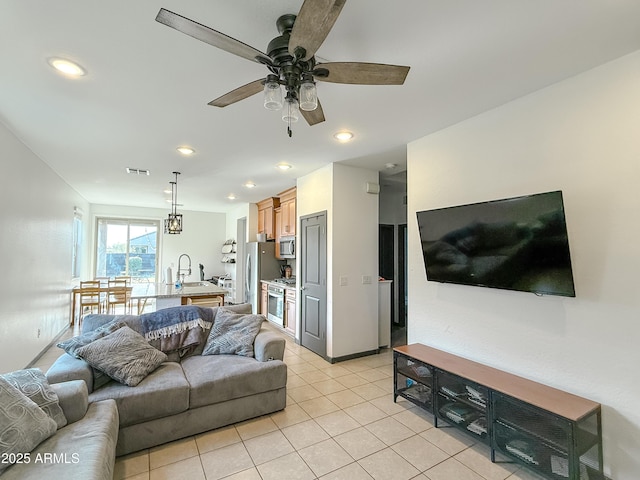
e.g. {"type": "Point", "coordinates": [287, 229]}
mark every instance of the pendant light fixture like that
{"type": "Point", "coordinates": [173, 223]}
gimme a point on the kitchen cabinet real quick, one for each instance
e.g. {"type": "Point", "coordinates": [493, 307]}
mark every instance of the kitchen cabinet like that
{"type": "Point", "coordinates": [554, 433]}
{"type": "Point", "coordinates": [264, 299]}
{"type": "Point", "coordinates": [266, 216]}
{"type": "Point", "coordinates": [290, 310]}
{"type": "Point", "coordinates": [288, 218]}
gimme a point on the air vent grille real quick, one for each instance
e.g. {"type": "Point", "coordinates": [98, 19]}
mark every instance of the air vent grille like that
{"type": "Point", "coordinates": [138, 171]}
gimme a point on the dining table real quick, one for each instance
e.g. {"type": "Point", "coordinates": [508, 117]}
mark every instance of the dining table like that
{"type": "Point", "coordinates": [140, 293]}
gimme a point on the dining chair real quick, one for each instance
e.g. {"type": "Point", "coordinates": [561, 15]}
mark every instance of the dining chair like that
{"type": "Point", "coordinates": [119, 293]}
{"type": "Point", "coordinates": [90, 297]}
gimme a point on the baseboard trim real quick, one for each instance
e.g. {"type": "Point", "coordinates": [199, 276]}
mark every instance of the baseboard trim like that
{"type": "Point", "coordinates": [352, 356]}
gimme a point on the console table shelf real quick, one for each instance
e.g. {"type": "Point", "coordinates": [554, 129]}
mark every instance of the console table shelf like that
{"type": "Point", "coordinates": [555, 433]}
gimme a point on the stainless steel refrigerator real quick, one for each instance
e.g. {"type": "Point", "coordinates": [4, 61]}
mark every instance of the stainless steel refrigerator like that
{"type": "Point", "coordinates": [261, 264]}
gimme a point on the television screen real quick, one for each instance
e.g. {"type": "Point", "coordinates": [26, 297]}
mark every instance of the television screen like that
{"type": "Point", "coordinates": [516, 243]}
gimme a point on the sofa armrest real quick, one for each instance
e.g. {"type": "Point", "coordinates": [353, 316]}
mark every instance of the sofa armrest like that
{"type": "Point", "coordinates": [268, 346]}
{"type": "Point", "coordinates": [73, 398]}
{"type": "Point", "coordinates": [67, 368]}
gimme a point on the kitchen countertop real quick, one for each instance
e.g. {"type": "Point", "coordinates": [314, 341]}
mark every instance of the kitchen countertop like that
{"type": "Point", "coordinates": [277, 284]}
{"type": "Point", "coordinates": [190, 289]}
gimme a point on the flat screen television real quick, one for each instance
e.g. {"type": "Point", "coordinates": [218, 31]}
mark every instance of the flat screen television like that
{"type": "Point", "coordinates": [516, 243]}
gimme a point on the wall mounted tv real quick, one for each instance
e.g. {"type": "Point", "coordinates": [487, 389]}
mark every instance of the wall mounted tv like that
{"type": "Point", "coordinates": [516, 243]}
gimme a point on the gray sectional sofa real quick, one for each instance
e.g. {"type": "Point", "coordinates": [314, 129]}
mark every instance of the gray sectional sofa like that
{"type": "Point", "coordinates": [189, 394]}
{"type": "Point", "coordinates": [83, 448]}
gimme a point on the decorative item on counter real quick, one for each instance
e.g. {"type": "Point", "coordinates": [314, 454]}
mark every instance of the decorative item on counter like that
{"type": "Point", "coordinates": [287, 271]}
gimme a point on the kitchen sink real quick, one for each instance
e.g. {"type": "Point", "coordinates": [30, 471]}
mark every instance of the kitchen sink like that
{"type": "Point", "coordinates": [196, 284]}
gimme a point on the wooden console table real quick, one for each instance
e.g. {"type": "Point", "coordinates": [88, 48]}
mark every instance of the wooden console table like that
{"type": "Point", "coordinates": [555, 433]}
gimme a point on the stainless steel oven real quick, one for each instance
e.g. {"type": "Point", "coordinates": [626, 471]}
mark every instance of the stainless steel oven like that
{"type": "Point", "coordinates": [275, 304]}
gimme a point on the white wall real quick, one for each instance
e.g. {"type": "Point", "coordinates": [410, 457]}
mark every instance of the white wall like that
{"type": "Point", "coordinates": [36, 219]}
{"type": "Point", "coordinates": [352, 252]}
{"type": "Point", "coordinates": [202, 237]}
{"type": "Point", "coordinates": [354, 256]}
{"type": "Point", "coordinates": [580, 136]}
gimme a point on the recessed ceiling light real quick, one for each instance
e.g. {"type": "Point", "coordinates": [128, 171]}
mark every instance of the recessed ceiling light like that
{"type": "Point", "coordinates": [67, 67]}
{"type": "Point", "coordinates": [231, 196]}
{"type": "Point", "coordinates": [343, 136]}
{"type": "Point", "coordinates": [184, 150]}
{"type": "Point", "coordinates": [250, 185]}
{"type": "Point", "coordinates": [284, 166]}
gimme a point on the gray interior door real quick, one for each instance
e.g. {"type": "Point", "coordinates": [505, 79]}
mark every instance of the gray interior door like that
{"type": "Point", "coordinates": [313, 282]}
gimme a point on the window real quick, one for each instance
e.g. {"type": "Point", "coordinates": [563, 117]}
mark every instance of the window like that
{"type": "Point", "coordinates": [127, 247]}
{"type": "Point", "coordinates": [76, 249]}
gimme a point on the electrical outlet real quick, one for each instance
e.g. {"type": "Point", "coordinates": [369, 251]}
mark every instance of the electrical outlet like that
{"type": "Point", "coordinates": [344, 281]}
{"type": "Point", "coordinates": [38, 333]}
{"type": "Point", "coordinates": [366, 279]}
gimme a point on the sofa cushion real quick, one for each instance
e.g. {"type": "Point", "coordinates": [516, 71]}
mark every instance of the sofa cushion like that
{"type": "Point", "coordinates": [23, 425]}
{"type": "Point", "coordinates": [72, 345]}
{"type": "Point", "coordinates": [237, 308]}
{"type": "Point", "coordinates": [124, 355]}
{"type": "Point", "coordinates": [216, 378]}
{"type": "Point", "coordinates": [82, 450]}
{"type": "Point", "coordinates": [32, 383]}
{"type": "Point", "coordinates": [162, 393]}
{"type": "Point", "coordinates": [233, 333]}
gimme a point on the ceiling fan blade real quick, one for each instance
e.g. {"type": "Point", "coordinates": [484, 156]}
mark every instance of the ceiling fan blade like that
{"type": "Point", "coordinates": [211, 36]}
{"type": "Point", "coordinates": [358, 73]}
{"type": "Point", "coordinates": [313, 24]}
{"type": "Point", "coordinates": [238, 94]}
{"type": "Point", "coordinates": [313, 117]}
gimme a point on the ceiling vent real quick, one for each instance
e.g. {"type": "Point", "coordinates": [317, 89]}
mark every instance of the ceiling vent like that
{"type": "Point", "coordinates": [138, 171]}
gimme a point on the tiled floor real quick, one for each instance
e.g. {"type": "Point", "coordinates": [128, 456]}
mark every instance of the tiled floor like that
{"type": "Point", "coordinates": [340, 423]}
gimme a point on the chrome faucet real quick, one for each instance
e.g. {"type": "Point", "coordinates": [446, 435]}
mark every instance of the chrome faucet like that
{"type": "Point", "coordinates": [188, 270]}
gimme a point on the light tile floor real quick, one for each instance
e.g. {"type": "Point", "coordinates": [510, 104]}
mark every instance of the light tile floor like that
{"type": "Point", "coordinates": [340, 423]}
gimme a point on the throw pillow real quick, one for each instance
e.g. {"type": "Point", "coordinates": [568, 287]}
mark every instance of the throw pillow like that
{"type": "Point", "coordinates": [33, 384]}
{"type": "Point", "coordinates": [72, 345]}
{"type": "Point", "coordinates": [124, 355]}
{"type": "Point", "coordinates": [23, 425]}
{"type": "Point", "coordinates": [233, 333]}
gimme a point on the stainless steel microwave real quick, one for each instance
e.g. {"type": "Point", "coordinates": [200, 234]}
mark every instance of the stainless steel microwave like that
{"type": "Point", "coordinates": [287, 247]}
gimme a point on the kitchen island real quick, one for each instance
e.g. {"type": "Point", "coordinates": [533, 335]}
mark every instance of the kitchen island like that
{"type": "Point", "coordinates": [191, 293]}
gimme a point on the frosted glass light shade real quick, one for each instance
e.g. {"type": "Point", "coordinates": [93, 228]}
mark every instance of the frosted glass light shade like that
{"type": "Point", "coordinates": [272, 96]}
{"type": "Point", "coordinates": [308, 96]}
{"type": "Point", "coordinates": [290, 110]}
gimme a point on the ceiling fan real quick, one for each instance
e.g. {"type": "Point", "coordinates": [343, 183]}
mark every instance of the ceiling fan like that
{"type": "Point", "coordinates": [291, 62]}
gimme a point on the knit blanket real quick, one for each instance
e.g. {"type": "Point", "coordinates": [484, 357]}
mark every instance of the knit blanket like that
{"type": "Point", "coordinates": [176, 328]}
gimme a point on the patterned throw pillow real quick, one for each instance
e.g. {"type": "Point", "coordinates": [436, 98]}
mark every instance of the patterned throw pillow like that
{"type": "Point", "coordinates": [23, 425]}
{"type": "Point", "coordinates": [124, 355]}
{"type": "Point", "coordinates": [233, 333]}
{"type": "Point", "coordinates": [72, 345]}
{"type": "Point", "coordinates": [34, 385]}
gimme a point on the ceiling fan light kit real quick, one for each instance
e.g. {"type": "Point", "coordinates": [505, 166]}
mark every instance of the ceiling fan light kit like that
{"type": "Point", "coordinates": [291, 62]}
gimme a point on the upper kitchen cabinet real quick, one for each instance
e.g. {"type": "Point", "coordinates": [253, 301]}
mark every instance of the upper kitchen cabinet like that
{"type": "Point", "coordinates": [267, 216]}
{"type": "Point", "coordinates": [288, 212]}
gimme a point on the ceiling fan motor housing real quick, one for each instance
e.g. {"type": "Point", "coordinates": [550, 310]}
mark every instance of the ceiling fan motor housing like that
{"type": "Point", "coordinates": [289, 70]}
